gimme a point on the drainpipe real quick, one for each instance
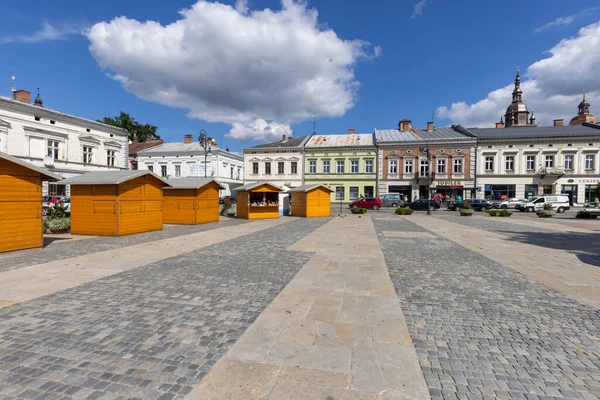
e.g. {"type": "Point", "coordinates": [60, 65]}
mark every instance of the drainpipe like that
{"type": "Point", "coordinates": [475, 173]}
{"type": "Point", "coordinates": [377, 171]}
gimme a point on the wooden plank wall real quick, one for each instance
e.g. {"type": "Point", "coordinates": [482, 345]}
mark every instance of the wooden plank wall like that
{"type": "Point", "coordinates": [242, 204]}
{"type": "Point", "coordinates": [208, 204]}
{"type": "Point", "coordinates": [179, 206]}
{"type": "Point", "coordinates": [299, 204]}
{"type": "Point", "coordinates": [318, 203]}
{"type": "Point", "coordinates": [140, 205]}
{"type": "Point", "coordinates": [20, 207]}
{"type": "Point", "coordinates": [94, 210]}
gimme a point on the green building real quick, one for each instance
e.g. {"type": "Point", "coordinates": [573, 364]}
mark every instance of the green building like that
{"type": "Point", "coordinates": [345, 163]}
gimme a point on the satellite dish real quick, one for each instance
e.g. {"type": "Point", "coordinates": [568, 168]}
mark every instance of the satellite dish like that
{"type": "Point", "coordinates": [48, 161]}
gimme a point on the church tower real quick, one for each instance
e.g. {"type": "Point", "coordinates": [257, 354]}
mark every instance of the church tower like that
{"type": "Point", "coordinates": [516, 113]}
{"type": "Point", "coordinates": [583, 113]}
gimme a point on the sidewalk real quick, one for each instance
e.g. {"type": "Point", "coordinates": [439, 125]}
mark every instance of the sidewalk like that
{"type": "Point", "coordinates": [335, 332]}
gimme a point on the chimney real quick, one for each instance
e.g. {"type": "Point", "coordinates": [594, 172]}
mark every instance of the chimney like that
{"type": "Point", "coordinates": [188, 139]}
{"type": "Point", "coordinates": [558, 122]}
{"type": "Point", "coordinates": [429, 126]}
{"type": "Point", "coordinates": [404, 125]}
{"type": "Point", "coordinates": [500, 124]}
{"type": "Point", "coordinates": [351, 131]}
{"type": "Point", "coordinates": [284, 138]}
{"type": "Point", "coordinates": [22, 95]}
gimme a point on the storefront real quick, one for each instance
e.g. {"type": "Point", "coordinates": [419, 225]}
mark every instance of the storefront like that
{"type": "Point", "coordinates": [531, 191]}
{"type": "Point", "coordinates": [257, 201]}
{"type": "Point", "coordinates": [500, 192]}
{"type": "Point", "coordinates": [453, 189]}
{"type": "Point", "coordinates": [402, 190]}
{"type": "Point", "coordinates": [571, 191]}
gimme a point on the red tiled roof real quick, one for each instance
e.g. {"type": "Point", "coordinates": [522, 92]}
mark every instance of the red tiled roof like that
{"type": "Point", "coordinates": [135, 147]}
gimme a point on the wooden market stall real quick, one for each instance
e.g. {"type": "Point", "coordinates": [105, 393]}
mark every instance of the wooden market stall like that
{"type": "Point", "coordinates": [311, 201]}
{"type": "Point", "coordinates": [115, 203]}
{"type": "Point", "coordinates": [191, 201]}
{"type": "Point", "coordinates": [257, 201]}
{"type": "Point", "coordinates": [21, 203]}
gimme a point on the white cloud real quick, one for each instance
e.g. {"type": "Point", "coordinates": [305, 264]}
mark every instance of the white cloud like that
{"type": "Point", "coordinates": [418, 10]}
{"type": "Point", "coordinates": [230, 66]}
{"type": "Point", "coordinates": [557, 22]}
{"type": "Point", "coordinates": [553, 88]}
{"type": "Point", "coordinates": [259, 129]}
{"type": "Point", "coordinates": [48, 32]}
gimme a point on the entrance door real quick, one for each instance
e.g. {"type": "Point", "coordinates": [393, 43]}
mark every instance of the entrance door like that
{"type": "Point", "coordinates": [368, 191]}
{"type": "Point", "coordinates": [571, 191]}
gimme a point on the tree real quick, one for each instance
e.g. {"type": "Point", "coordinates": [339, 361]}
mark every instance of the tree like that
{"type": "Point", "coordinates": [137, 131]}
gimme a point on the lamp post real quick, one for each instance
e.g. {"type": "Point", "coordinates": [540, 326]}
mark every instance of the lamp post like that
{"type": "Point", "coordinates": [428, 155]}
{"type": "Point", "coordinates": [205, 142]}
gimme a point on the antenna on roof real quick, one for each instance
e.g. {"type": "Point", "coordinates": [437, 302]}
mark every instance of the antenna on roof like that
{"type": "Point", "coordinates": [14, 83]}
{"type": "Point", "coordinates": [433, 116]}
{"type": "Point", "coordinates": [314, 126]}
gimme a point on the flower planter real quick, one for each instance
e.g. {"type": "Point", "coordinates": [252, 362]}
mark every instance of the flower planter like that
{"type": "Point", "coordinates": [466, 212]}
{"type": "Point", "coordinates": [545, 214]}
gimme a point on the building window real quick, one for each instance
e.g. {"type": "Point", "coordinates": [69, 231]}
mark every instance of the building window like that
{"type": "Point", "coordinates": [590, 161]}
{"type": "Point", "coordinates": [326, 169]}
{"type": "Point", "coordinates": [312, 167]}
{"type": "Point", "coordinates": [178, 171]}
{"type": "Point", "coordinates": [87, 154]}
{"type": "Point", "coordinates": [393, 167]}
{"type": "Point", "coordinates": [530, 163]}
{"type": "Point", "coordinates": [489, 163]}
{"type": "Point", "coordinates": [509, 163]}
{"type": "Point", "coordinates": [441, 166]}
{"type": "Point", "coordinates": [340, 166]}
{"type": "Point", "coordinates": [369, 166]}
{"type": "Point", "coordinates": [163, 171]}
{"type": "Point", "coordinates": [339, 193]}
{"type": "Point", "coordinates": [267, 168]}
{"type": "Point", "coordinates": [280, 167]}
{"type": "Point", "coordinates": [549, 161]}
{"type": "Point", "coordinates": [53, 149]}
{"type": "Point", "coordinates": [110, 157]}
{"type": "Point", "coordinates": [255, 168]}
{"type": "Point", "coordinates": [294, 167]}
{"type": "Point", "coordinates": [458, 165]}
{"type": "Point", "coordinates": [354, 166]}
{"type": "Point", "coordinates": [569, 162]}
{"type": "Point", "coordinates": [408, 166]}
{"type": "Point", "coordinates": [231, 171]}
{"type": "Point", "coordinates": [150, 168]}
{"type": "Point", "coordinates": [353, 193]}
{"type": "Point", "coordinates": [424, 168]}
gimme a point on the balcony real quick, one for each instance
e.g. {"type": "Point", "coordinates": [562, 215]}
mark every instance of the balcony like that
{"type": "Point", "coordinates": [551, 171]}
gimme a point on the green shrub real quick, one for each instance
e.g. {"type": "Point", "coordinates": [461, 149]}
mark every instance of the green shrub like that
{"type": "Point", "coordinates": [226, 207]}
{"type": "Point", "coordinates": [358, 210]}
{"type": "Point", "coordinates": [44, 224]}
{"type": "Point", "coordinates": [548, 207]}
{"type": "Point", "coordinates": [583, 214]}
{"type": "Point", "coordinates": [493, 213]}
{"type": "Point", "coordinates": [404, 211]}
{"type": "Point", "coordinates": [59, 225]}
{"type": "Point", "coordinates": [505, 213]}
{"type": "Point", "coordinates": [545, 213]}
{"type": "Point", "coordinates": [466, 206]}
{"type": "Point", "coordinates": [58, 210]}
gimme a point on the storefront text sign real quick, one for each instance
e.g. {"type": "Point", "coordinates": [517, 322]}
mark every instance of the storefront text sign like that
{"type": "Point", "coordinates": [450, 183]}
{"type": "Point", "coordinates": [590, 180]}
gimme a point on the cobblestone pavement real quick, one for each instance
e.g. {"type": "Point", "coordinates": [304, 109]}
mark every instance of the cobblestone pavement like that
{"type": "Point", "coordinates": [149, 333]}
{"type": "Point", "coordinates": [483, 331]}
{"type": "Point", "coordinates": [58, 250]}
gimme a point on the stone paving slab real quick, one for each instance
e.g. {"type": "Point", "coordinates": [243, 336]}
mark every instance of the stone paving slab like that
{"type": "Point", "coordinates": [483, 331]}
{"type": "Point", "coordinates": [151, 332]}
{"type": "Point", "coordinates": [60, 249]}
{"type": "Point", "coordinates": [335, 332]}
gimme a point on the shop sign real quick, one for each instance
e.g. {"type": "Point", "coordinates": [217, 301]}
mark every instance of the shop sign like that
{"type": "Point", "coordinates": [450, 183]}
{"type": "Point", "coordinates": [590, 180]}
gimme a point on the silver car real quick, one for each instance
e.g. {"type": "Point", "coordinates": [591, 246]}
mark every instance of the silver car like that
{"type": "Point", "coordinates": [390, 200]}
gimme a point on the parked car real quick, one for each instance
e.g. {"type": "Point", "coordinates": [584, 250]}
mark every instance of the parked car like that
{"type": "Point", "coordinates": [369, 202]}
{"type": "Point", "coordinates": [560, 203]}
{"type": "Point", "coordinates": [508, 203]}
{"type": "Point", "coordinates": [421, 204]}
{"type": "Point", "coordinates": [476, 204]}
{"type": "Point", "coordinates": [390, 199]}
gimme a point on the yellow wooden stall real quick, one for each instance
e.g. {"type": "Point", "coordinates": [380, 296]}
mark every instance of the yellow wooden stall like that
{"type": "Point", "coordinates": [191, 201]}
{"type": "Point", "coordinates": [257, 201]}
{"type": "Point", "coordinates": [311, 201]}
{"type": "Point", "coordinates": [116, 203]}
{"type": "Point", "coordinates": [21, 203]}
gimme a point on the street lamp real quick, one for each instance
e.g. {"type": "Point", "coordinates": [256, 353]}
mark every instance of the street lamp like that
{"type": "Point", "coordinates": [205, 142]}
{"type": "Point", "coordinates": [426, 151]}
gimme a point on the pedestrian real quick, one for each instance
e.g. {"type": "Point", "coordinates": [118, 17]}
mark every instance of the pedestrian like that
{"type": "Point", "coordinates": [459, 199]}
{"type": "Point", "coordinates": [597, 202]}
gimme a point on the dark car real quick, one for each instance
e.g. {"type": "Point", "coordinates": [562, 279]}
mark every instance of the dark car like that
{"type": "Point", "coordinates": [369, 202]}
{"type": "Point", "coordinates": [421, 204]}
{"type": "Point", "coordinates": [476, 204]}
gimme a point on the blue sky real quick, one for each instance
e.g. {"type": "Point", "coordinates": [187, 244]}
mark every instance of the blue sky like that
{"type": "Point", "coordinates": [414, 63]}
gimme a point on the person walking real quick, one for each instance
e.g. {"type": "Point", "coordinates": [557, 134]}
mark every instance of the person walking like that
{"type": "Point", "coordinates": [459, 199]}
{"type": "Point", "coordinates": [597, 202]}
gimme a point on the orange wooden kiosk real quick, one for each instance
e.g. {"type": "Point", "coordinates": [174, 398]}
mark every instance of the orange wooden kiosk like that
{"type": "Point", "coordinates": [311, 201]}
{"type": "Point", "coordinates": [115, 203]}
{"type": "Point", "coordinates": [21, 203]}
{"type": "Point", "coordinates": [191, 201]}
{"type": "Point", "coordinates": [257, 201]}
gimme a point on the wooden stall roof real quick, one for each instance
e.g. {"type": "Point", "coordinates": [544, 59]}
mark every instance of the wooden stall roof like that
{"type": "Point", "coordinates": [191, 183]}
{"type": "Point", "coordinates": [249, 186]}
{"type": "Point", "coordinates": [308, 188]}
{"type": "Point", "coordinates": [110, 177]}
{"type": "Point", "coordinates": [46, 175]}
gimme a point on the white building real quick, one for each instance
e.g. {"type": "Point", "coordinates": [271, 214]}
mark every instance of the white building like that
{"type": "Point", "coordinates": [187, 159]}
{"type": "Point", "coordinates": [280, 163]}
{"type": "Point", "coordinates": [64, 144]}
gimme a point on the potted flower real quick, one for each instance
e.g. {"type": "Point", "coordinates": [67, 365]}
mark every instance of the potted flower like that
{"type": "Point", "coordinates": [466, 210]}
{"type": "Point", "coordinates": [547, 212]}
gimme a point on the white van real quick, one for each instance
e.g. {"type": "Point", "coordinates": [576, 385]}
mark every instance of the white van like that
{"type": "Point", "coordinates": [560, 203]}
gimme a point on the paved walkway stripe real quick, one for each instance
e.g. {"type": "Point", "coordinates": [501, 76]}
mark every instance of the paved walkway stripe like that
{"type": "Point", "coordinates": [43, 279]}
{"type": "Point", "coordinates": [335, 332]}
